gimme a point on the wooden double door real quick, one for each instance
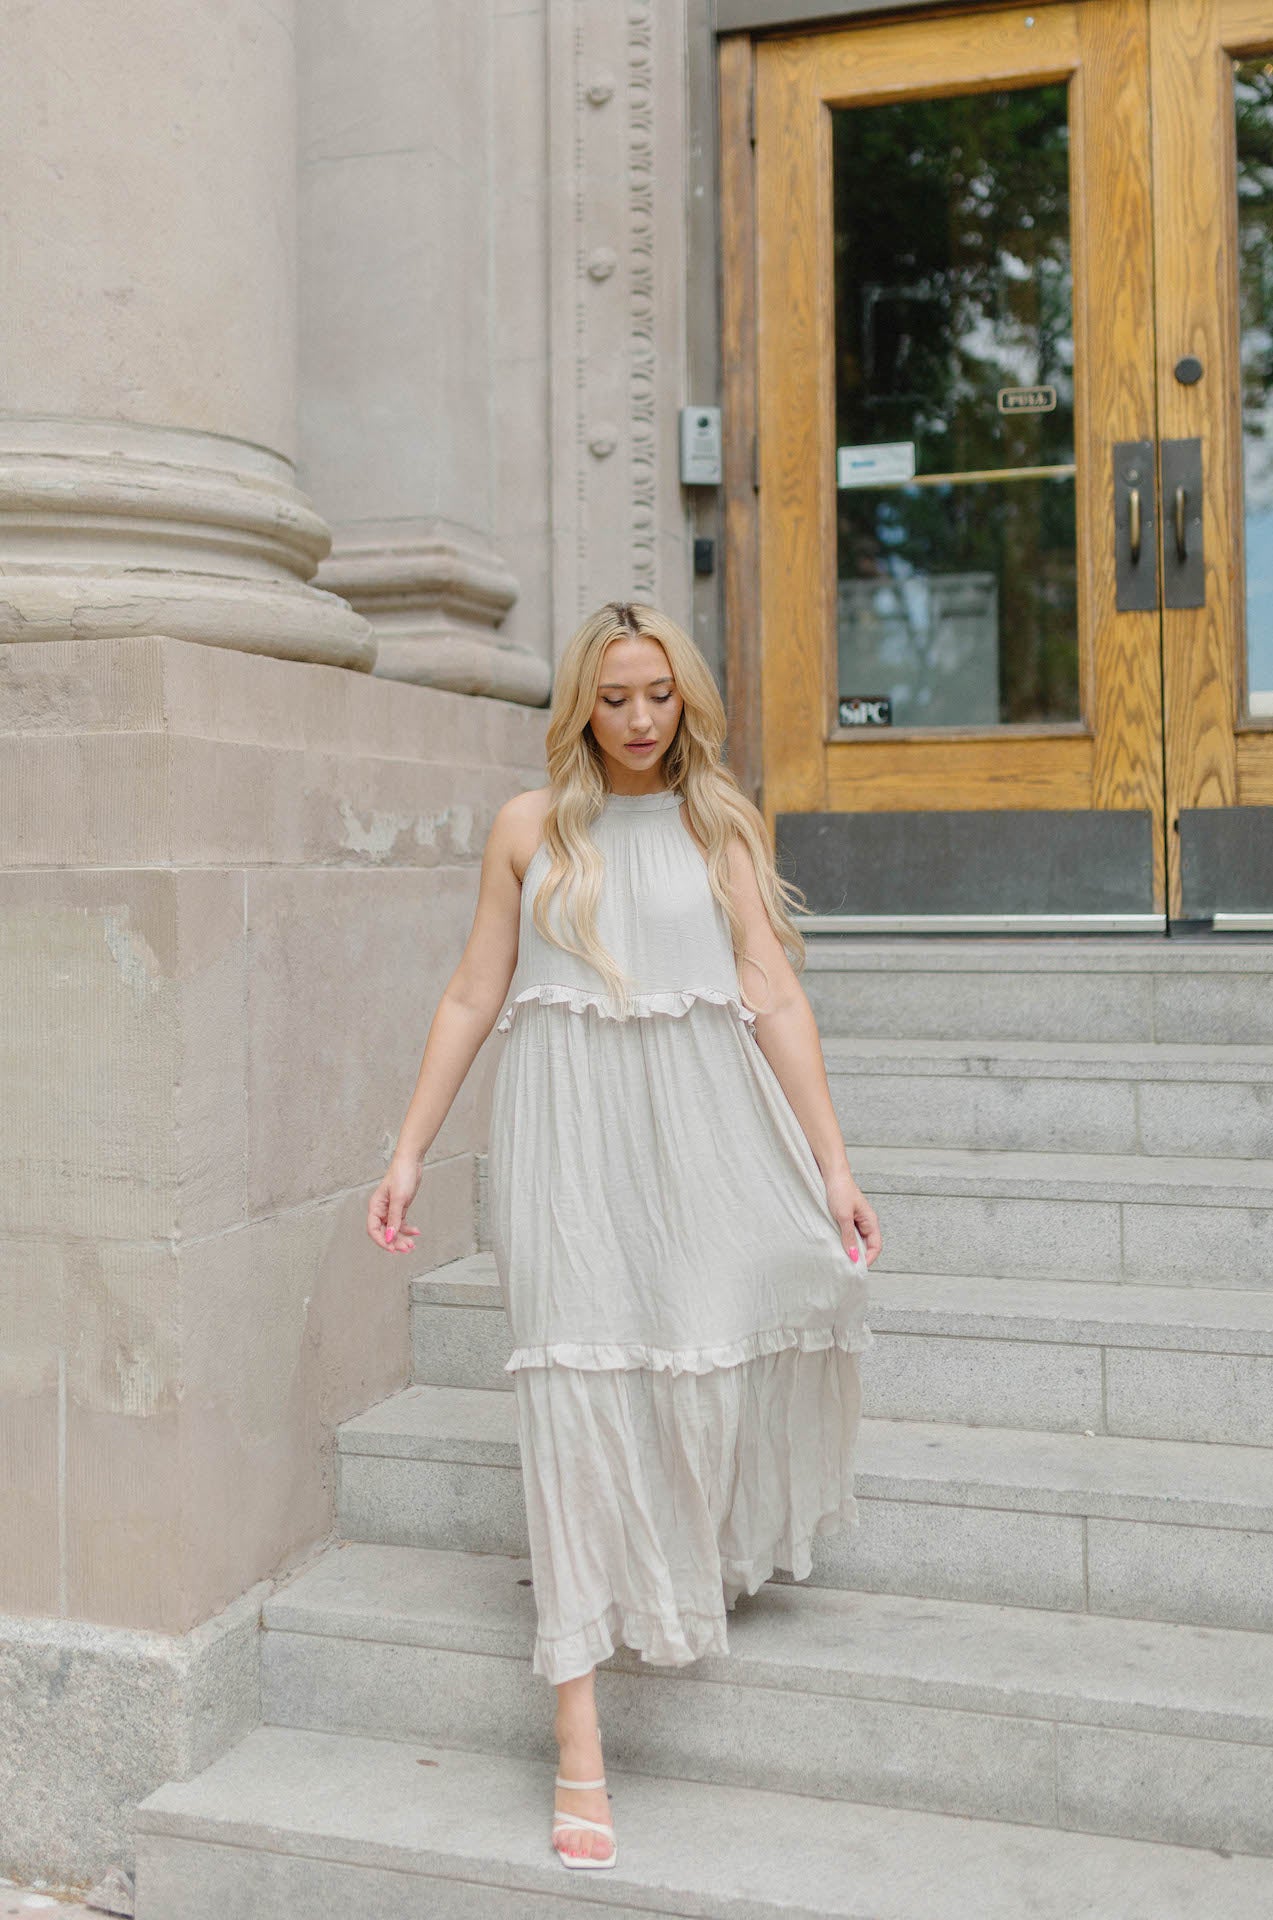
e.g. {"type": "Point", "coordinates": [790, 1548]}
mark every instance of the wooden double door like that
{"type": "Point", "coordinates": [998, 309]}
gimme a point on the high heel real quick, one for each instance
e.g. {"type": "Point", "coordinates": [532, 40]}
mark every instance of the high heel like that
{"type": "Point", "coordinates": [573, 1860]}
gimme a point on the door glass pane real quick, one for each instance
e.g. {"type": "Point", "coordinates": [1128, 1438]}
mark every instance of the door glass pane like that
{"type": "Point", "coordinates": [957, 602]}
{"type": "Point", "coordinates": [1253, 100]}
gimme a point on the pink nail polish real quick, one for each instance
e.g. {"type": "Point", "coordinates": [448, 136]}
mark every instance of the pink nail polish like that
{"type": "Point", "coordinates": [853, 1253]}
{"type": "Point", "coordinates": [389, 1233]}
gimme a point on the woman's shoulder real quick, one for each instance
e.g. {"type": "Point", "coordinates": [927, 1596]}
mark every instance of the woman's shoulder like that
{"type": "Point", "coordinates": [533, 804]}
{"type": "Point", "coordinates": [749, 849]}
{"type": "Point", "coordinates": [518, 825]}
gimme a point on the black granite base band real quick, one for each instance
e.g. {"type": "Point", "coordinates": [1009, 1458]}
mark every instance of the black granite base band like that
{"type": "Point", "coordinates": [1226, 860]}
{"type": "Point", "coordinates": [1007, 861]}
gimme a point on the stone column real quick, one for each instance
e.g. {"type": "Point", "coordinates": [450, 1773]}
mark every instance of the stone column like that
{"type": "Point", "coordinates": [147, 418]}
{"type": "Point", "coordinates": [403, 436]}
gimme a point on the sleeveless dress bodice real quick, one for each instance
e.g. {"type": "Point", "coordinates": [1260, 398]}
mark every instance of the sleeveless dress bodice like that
{"type": "Point", "coordinates": [657, 916]}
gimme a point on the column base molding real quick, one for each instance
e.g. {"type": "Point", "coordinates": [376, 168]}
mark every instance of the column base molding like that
{"type": "Point", "coordinates": [435, 594]}
{"type": "Point", "coordinates": [109, 530]}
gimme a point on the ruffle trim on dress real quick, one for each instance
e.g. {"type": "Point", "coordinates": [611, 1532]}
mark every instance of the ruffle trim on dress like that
{"type": "Point", "coordinates": [599, 1356]}
{"type": "Point", "coordinates": [685, 1636]}
{"type": "Point", "coordinates": [670, 1642]}
{"type": "Point", "coordinates": [748, 1576]}
{"type": "Point", "coordinates": [674, 1001]}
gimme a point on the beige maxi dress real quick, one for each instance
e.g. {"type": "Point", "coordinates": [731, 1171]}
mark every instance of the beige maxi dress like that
{"type": "Point", "coordinates": [685, 1316]}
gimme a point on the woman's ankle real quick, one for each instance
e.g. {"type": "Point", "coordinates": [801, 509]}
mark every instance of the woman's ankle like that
{"type": "Point", "coordinates": [576, 1729]}
{"type": "Point", "coordinates": [576, 1733]}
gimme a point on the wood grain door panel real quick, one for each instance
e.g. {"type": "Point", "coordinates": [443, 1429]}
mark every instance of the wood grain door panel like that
{"type": "Point", "coordinates": [1163, 723]}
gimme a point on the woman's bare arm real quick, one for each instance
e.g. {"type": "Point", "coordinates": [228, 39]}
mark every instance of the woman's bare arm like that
{"type": "Point", "coordinates": [465, 1014]}
{"type": "Point", "coordinates": [788, 1035]}
{"type": "Point", "coordinates": [474, 994]}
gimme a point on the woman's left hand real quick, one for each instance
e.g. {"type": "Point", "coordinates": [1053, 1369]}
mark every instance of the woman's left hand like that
{"type": "Point", "coordinates": [850, 1207]}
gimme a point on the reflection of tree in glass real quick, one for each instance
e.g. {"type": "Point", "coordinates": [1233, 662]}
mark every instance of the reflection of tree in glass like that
{"type": "Point", "coordinates": [953, 275]}
{"type": "Point", "coordinates": [902, 535]}
{"type": "Point", "coordinates": [1253, 116]}
{"type": "Point", "coordinates": [1253, 106]}
{"type": "Point", "coordinates": [952, 280]}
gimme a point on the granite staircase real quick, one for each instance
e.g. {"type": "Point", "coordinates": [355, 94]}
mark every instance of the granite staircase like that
{"type": "Point", "coordinates": [1037, 1681]}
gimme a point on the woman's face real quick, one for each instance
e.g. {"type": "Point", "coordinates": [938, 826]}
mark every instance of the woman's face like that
{"type": "Point", "coordinates": [637, 701]}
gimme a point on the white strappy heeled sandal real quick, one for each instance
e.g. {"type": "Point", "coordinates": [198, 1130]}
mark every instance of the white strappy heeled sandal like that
{"type": "Point", "coordinates": [573, 1860]}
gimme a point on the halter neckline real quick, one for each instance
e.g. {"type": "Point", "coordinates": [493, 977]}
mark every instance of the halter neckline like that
{"type": "Point", "coordinates": [637, 802]}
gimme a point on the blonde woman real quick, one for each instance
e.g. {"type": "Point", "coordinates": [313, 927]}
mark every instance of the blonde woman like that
{"type": "Point", "coordinates": [680, 1243]}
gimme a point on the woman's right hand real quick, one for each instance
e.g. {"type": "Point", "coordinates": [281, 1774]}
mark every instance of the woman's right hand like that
{"type": "Point", "coordinates": [389, 1203]}
{"type": "Point", "coordinates": [851, 1208]}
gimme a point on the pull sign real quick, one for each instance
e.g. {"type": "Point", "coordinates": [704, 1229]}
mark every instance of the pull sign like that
{"type": "Point", "coordinates": [1026, 399]}
{"type": "Point", "coordinates": [700, 447]}
{"type": "Point", "coordinates": [866, 710]}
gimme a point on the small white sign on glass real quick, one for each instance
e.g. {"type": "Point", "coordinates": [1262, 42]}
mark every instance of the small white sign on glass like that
{"type": "Point", "coordinates": [877, 466]}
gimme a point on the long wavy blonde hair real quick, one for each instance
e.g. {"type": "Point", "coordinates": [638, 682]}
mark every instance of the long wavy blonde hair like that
{"type": "Point", "coordinates": [717, 806]}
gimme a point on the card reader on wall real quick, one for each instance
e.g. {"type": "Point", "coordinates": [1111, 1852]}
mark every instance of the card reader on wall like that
{"type": "Point", "coordinates": [700, 447]}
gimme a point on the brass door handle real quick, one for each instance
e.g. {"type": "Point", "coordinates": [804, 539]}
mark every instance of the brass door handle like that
{"type": "Point", "coordinates": [1184, 574]}
{"type": "Point", "coordinates": [1135, 528]}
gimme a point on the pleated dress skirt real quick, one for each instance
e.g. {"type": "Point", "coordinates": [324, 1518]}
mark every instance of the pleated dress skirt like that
{"type": "Point", "coordinates": [688, 1323]}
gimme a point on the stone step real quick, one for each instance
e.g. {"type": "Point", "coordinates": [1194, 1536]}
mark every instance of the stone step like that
{"type": "Point", "coordinates": [1130, 1727]}
{"type": "Point", "coordinates": [1153, 1363]}
{"type": "Point", "coordinates": [1074, 1096]}
{"type": "Point", "coordinates": [300, 1822]}
{"type": "Point", "coordinates": [1182, 991]}
{"type": "Point", "coordinates": [1163, 1219]}
{"type": "Point", "coordinates": [1142, 1529]}
{"type": "Point", "coordinates": [1156, 1218]}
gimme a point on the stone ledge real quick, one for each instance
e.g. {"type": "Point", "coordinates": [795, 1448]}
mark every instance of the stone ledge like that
{"type": "Point", "coordinates": [153, 683]}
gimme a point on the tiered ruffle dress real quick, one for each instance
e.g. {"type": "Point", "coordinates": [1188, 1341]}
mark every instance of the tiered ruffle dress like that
{"type": "Point", "coordinates": [685, 1316]}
